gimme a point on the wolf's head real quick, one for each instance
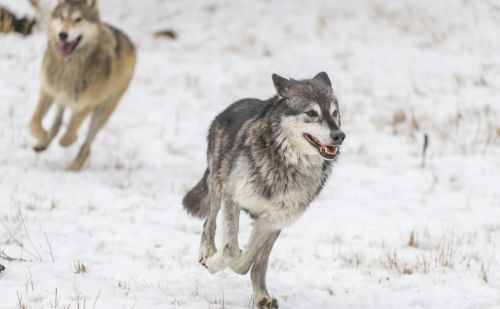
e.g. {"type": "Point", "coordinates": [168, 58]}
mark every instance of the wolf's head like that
{"type": "Point", "coordinates": [312, 115]}
{"type": "Point", "coordinates": [73, 25]}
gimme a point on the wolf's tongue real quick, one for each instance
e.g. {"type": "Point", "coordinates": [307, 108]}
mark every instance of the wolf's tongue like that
{"type": "Point", "coordinates": [330, 150]}
{"type": "Point", "coordinates": [66, 48]}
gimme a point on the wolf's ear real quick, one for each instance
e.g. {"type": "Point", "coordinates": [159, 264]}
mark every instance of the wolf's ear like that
{"type": "Point", "coordinates": [281, 84]}
{"type": "Point", "coordinates": [92, 4]}
{"type": "Point", "coordinates": [323, 77]}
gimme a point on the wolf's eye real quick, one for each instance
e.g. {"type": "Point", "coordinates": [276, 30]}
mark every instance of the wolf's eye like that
{"type": "Point", "coordinates": [312, 113]}
{"type": "Point", "coordinates": [335, 113]}
{"type": "Point", "coordinates": [79, 19]}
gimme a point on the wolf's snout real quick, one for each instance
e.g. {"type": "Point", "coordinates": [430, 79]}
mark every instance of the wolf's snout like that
{"type": "Point", "coordinates": [338, 137]}
{"type": "Point", "coordinates": [63, 36]}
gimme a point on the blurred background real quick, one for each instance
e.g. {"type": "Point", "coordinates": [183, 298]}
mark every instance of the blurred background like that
{"type": "Point", "coordinates": [410, 217]}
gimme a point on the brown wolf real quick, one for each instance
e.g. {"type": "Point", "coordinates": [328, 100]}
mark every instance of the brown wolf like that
{"type": "Point", "coordinates": [87, 68]}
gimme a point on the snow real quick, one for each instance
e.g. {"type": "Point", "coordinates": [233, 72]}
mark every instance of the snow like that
{"type": "Point", "coordinates": [400, 69]}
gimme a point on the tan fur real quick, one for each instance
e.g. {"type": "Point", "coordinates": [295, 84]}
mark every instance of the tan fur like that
{"type": "Point", "coordinates": [6, 21]}
{"type": "Point", "coordinates": [90, 81]}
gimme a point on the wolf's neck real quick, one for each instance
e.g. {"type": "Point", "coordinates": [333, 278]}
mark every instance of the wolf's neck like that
{"type": "Point", "coordinates": [68, 73]}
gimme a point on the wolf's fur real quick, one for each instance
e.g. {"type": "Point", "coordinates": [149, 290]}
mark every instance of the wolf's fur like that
{"type": "Point", "coordinates": [90, 80]}
{"type": "Point", "coordinates": [260, 162]}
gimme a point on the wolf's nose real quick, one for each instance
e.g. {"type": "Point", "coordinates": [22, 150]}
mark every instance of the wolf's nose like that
{"type": "Point", "coordinates": [63, 36]}
{"type": "Point", "coordinates": [338, 137]}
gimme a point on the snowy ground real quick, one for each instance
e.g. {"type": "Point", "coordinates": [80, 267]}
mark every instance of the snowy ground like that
{"type": "Point", "coordinates": [385, 233]}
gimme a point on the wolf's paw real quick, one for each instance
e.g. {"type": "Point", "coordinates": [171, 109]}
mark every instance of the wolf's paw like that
{"type": "Point", "coordinates": [205, 253]}
{"type": "Point", "coordinates": [67, 140]}
{"type": "Point", "coordinates": [38, 132]}
{"type": "Point", "coordinates": [216, 263]}
{"type": "Point", "coordinates": [266, 302]}
{"type": "Point", "coordinates": [43, 139]}
{"type": "Point", "coordinates": [40, 147]}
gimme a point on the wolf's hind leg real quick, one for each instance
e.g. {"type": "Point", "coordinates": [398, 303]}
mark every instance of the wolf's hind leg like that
{"type": "Point", "coordinates": [207, 245]}
{"type": "Point", "coordinates": [261, 296]}
{"type": "Point", "coordinates": [230, 229]}
{"type": "Point", "coordinates": [100, 115]}
{"type": "Point", "coordinates": [74, 124]}
{"type": "Point", "coordinates": [36, 128]}
{"type": "Point", "coordinates": [56, 125]}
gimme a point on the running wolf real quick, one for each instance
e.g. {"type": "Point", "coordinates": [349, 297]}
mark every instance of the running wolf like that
{"type": "Point", "coordinates": [270, 159]}
{"type": "Point", "coordinates": [87, 68]}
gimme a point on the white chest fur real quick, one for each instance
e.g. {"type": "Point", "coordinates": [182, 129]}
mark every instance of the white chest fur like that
{"type": "Point", "coordinates": [280, 209]}
{"type": "Point", "coordinates": [69, 96]}
{"type": "Point", "coordinates": [277, 212]}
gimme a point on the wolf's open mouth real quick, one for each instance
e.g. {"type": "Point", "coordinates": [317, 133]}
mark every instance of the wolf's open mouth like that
{"type": "Point", "coordinates": [67, 48]}
{"type": "Point", "coordinates": [327, 152]}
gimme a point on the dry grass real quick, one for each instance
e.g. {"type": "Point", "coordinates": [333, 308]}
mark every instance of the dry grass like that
{"type": "Point", "coordinates": [412, 241]}
{"type": "Point", "coordinates": [484, 273]}
{"type": "Point", "coordinates": [412, 20]}
{"type": "Point", "coordinates": [349, 257]}
{"type": "Point", "coordinates": [217, 304]}
{"type": "Point", "coordinates": [424, 254]}
{"type": "Point", "coordinates": [467, 131]}
{"type": "Point", "coordinates": [56, 300]}
{"type": "Point", "coordinates": [176, 301]}
{"type": "Point", "coordinates": [20, 303]}
{"type": "Point", "coordinates": [29, 284]}
{"type": "Point", "coordinates": [394, 263]}
{"type": "Point", "coordinates": [79, 267]}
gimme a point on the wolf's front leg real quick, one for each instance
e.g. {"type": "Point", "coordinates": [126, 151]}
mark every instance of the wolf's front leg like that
{"type": "Point", "coordinates": [56, 125]}
{"type": "Point", "coordinates": [259, 238]}
{"type": "Point", "coordinates": [261, 296]}
{"type": "Point", "coordinates": [230, 229]}
{"type": "Point", "coordinates": [36, 128]}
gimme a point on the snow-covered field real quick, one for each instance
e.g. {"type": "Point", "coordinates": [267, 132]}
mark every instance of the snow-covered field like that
{"type": "Point", "coordinates": [386, 232]}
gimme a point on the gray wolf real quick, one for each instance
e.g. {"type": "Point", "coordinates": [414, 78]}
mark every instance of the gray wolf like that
{"type": "Point", "coordinates": [270, 159]}
{"type": "Point", "coordinates": [87, 67]}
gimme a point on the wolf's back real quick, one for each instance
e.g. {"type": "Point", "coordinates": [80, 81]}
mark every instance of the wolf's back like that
{"type": "Point", "coordinates": [197, 201]}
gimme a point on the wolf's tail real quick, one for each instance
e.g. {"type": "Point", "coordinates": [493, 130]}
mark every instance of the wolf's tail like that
{"type": "Point", "coordinates": [197, 201]}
